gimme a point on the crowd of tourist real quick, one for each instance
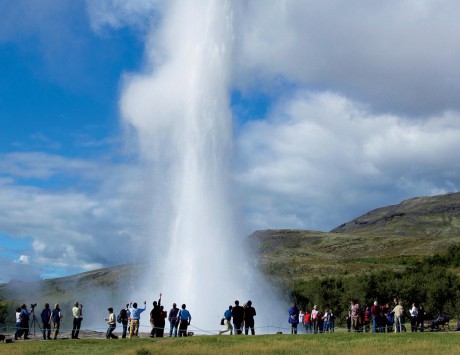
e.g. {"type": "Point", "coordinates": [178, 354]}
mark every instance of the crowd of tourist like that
{"type": "Point", "coordinates": [236, 319]}
{"type": "Point", "coordinates": [376, 318]}
{"type": "Point", "coordinates": [128, 317]}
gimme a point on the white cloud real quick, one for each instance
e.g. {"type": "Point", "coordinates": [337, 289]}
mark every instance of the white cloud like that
{"type": "Point", "coordinates": [320, 158]}
{"type": "Point", "coordinates": [23, 259]}
{"type": "Point", "coordinates": [121, 13]}
{"type": "Point", "coordinates": [397, 56]}
{"type": "Point", "coordinates": [77, 213]}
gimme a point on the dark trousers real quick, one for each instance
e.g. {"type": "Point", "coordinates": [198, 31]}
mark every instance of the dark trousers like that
{"type": "Point", "coordinates": [183, 328]}
{"type": "Point", "coordinates": [109, 333]}
{"type": "Point", "coordinates": [413, 324]}
{"type": "Point", "coordinates": [76, 327]}
{"type": "Point", "coordinates": [238, 325]}
{"type": "Point", "coordinates": [249, 323]}
{"type": "Point", "coordinates": [47, 330]}
{"type": "Point", "coordinates": [125, 329]}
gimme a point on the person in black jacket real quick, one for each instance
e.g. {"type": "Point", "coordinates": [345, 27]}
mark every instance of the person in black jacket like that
{"type": "Point", "coordinates": [155, 319]}
{"type": "Point", "coordinates": [238, 316]}
{"type": "Point", "coordinates": [249, 313]}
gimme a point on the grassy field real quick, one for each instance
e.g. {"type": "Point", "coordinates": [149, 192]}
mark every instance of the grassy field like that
{"type": "Point", "coordinates": [407, 343]}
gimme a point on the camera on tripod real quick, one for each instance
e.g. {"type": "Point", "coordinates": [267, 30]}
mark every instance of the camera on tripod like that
{"type": "Point", "coordinates": [33, 305]}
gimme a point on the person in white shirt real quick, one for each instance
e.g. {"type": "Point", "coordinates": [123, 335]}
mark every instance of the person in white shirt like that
{"type": "Point", "coordinates": [301, 314]}
{"type": "Point", "coordinates": [413, 318]}
{"type": "Point", "coordinates": [77, 312]}
{"type": "Point", "coordinates": [112, 325]}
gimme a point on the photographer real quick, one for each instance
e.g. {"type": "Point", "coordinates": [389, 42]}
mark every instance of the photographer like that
{"type": "Point", "coordinates": [77, 312]}
{"type": "Point", "coordinates": [24, 318]}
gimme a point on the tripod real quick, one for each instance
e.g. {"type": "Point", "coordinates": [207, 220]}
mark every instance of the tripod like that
{"type": "Point", "coordinates": [34, 322]}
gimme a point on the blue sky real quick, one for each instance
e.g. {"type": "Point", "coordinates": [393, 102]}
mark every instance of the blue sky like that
{"type": "Point", "coordinates": [337, 109]}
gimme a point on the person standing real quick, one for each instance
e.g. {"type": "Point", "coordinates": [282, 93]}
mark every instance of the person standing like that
{"type": "Point", "coordinates": [421, 318]}
{"type": "Point", "coordinates": [112, 325]}
{"type": "Point", "coordinates": [161, 322]}
{"type": "Point", "coordinates": [46, 320]}
{"type": "Point", "coordinates": [172, 317]}
{"type": "Point", "coordinates": [307, 322]}
{"type": "Point", "coordinates": [355, 315]}
{"type": "Point", "coordinates": [124, 317]}
{"type": "Point", "coordinates": [398, 312]}
{"type": "Point", "coordinates": [301, 314]}
{"type": "Point", "coordinates": [413, 318]}
{"type": "Point", "coordinates": [331, 321]}
{"type": "Point", "coordinates": [227, 321]}
{"type": "Point", "coordinates": [325, 321]}
{"type": "Point", "coordinates": [77, 312]}
{"type": "Point", "coordinates": [155, 318]}
{"type": "Point", "coordinates": [56, 317]}
{"type": "Point", "coordinates": [375, 314]}
{"type": "Point", "coordinates": [185, 318]}
{"type": "Point", "coordinates": [24, 318]}
{"type": "Point", "coordinates": [293, 318]}
{"type": "Point", "coordinates": [238, 316]}
{"type": "Point", "coordinates": [314, 319]}
{"type": "Point", "coordinates": [249, 314]}
{"type": "Point", "coordinates": [135, 317]}
{"type": "Point", "coordinates": [18, 332]}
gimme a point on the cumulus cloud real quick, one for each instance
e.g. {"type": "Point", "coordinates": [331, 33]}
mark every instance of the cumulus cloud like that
{"type": "Point", "coordinates": [77, 213]}
{"type": "Point", "coordinates": [23, 259]}
{"type": "Point", "coordinates": [320, 158]}
{"type": "Point", "coordinates": [122, 13]}
{"type": "Point", "coordinates": [397, 56]}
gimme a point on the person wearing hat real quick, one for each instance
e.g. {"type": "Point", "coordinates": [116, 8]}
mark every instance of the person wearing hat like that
{"type": "Point", "coordinates": [112, 325]}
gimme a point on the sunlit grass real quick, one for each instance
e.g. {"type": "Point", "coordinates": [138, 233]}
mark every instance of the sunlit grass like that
{"type": "Point", "coordinates": [408, 343]}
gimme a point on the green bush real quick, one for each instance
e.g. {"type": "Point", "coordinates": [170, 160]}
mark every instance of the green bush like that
{"type": "Point", "coordinates": [428, 282]}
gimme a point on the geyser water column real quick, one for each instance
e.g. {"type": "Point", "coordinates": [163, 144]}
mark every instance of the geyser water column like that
{"type": "Point", "coordinates": [180, 110]}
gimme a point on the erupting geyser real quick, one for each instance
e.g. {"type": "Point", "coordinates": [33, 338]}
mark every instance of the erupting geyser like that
{"type": "Point", "coordinates": [180, 110]}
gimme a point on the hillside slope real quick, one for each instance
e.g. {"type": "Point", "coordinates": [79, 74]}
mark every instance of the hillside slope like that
{"type": "Point", "coordinates": [380, 239]}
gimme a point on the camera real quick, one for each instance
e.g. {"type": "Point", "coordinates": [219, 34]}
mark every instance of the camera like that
{"type": "Point", "coordinates": [33, 305]}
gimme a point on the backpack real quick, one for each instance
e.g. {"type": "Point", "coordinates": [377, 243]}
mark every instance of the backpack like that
{"type": "Point", "coordinates": [121, 316]}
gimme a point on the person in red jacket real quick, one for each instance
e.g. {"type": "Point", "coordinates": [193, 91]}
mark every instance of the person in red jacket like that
{"type": "Point", "coordinates": [375, 313]}
{"type": "Point", "coordinates": [307, 322]}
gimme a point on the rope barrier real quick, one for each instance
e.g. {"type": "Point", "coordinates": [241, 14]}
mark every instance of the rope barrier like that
{"type": "Point", "coordinates": [264, 329]}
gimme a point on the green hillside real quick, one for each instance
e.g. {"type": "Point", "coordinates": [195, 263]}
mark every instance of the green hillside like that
{"type": "Point", "coordinates": [385, 238]}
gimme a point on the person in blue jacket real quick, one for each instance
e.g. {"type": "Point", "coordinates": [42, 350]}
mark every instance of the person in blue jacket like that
{"type": "Point", "coordinates": [293, 318]}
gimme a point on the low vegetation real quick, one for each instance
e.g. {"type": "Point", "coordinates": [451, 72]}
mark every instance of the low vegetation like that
{"type": "Point", "coordinates": [416, 343]}
{"type": "Point", "coordinates": [429, 282]}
